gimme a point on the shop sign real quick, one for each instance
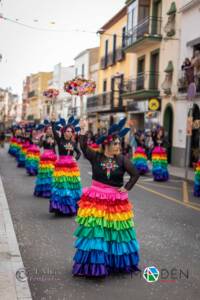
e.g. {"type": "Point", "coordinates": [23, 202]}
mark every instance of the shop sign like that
{"type": "Point", "coordinates": [154, 104]}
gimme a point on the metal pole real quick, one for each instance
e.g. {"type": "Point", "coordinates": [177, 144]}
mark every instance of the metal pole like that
{"type": "Point", "coordinates": [188, 142]}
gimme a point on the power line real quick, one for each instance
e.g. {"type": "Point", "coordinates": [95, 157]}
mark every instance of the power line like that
{"type": "Point", "coordinates": [52, 30]}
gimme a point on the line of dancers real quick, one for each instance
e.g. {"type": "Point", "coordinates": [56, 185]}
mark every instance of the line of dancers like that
{"type": "Point", "coordinates": [105, 237]}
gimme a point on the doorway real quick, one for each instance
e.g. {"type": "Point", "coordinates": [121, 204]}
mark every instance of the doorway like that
{"type": "Point", "coordinates": [168, 126]}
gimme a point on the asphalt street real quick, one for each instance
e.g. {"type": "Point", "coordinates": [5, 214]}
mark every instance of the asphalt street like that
{"type": "Point", "coordinates": [168, 230]}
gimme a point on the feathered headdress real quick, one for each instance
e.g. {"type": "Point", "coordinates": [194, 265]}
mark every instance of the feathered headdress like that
{"type": "Point", "coordinates": [72, 122]}
{"type": "Point", "coordinates": [114, 130]}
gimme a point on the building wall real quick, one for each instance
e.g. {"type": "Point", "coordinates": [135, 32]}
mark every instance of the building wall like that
{"type": "Point", "coordinates": [120, 67]}
{"type": "Point", "coordinates": [82, 59]}
{"type": "Point", "coordinates": [38, 84]}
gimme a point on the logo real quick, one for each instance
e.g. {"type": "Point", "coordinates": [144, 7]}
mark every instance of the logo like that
{"type": "Point", "coordinates": [151, 274]}
{"type": "Point", "coordinates": [154, 104]}
{"type": "Point", "coordinates": [21, 275]}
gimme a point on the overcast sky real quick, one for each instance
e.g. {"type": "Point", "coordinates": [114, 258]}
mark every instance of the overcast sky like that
{"type": "Point", "coordinates": [28, 51]}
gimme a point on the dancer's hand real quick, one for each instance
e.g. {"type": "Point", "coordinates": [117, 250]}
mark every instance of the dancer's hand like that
{"type": "Point", "coordinates": [122, 190]}
{"type": "Point", "coordinates": [53, 117]}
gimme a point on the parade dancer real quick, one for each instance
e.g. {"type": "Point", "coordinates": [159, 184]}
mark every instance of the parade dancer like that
{"type": "Point", "coordinates": [139, 158]}
{"type": "Point", "coordinates": [197, 180]}
{"type": "Point", "coordinates": [13, 142]}
{"type": "Point", "coordinates": [26, 142]}
{"type": "Point", "coordinates": [33, 154]}
{"type": "Point", "coordinates": [106, 238]}
{"type": "Point", "coordinates": [159, 157]}
{"type": "Point", "coordinates": [66, 187]}
{"type": "Point", "coordinates": [43, 185]}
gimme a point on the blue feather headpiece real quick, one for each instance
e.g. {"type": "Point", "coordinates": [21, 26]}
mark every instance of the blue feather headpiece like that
{"type": "Point", "coordinates": [72, 122]}
{"type": "Point", "coordinates": [114, 130]}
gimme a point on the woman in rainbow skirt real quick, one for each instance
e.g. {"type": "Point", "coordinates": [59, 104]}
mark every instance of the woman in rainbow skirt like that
{"type": "Point", "coordinates": [197, 180]}
{"type": "Point", "coordinates": [33, 154]}
{"type": "Point", "coordinates": [159, 156]}
{"type": "Point", "coordinates": [66, 187]}
{"type": "Point", "coordinates": [139, 158]}
{"type": "Point", "coordinates": [106, 239]}
{"type": "Point", "coordinates": [48, 158]}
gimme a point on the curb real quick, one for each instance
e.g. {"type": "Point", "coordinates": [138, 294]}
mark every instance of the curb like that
{"type": "Point", "coordinates": [10, 257]}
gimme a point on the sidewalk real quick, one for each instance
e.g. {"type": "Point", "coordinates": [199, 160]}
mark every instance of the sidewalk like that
{"type": "Point", "coordinates": [10, 257]}
{"type": "Point", "coordinates": [180, 172]}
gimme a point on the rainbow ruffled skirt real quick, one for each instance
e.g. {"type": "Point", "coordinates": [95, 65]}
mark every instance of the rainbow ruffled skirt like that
{"type": "Point", "coordinates": [66, 187]}
{"type": "Point", "coordinates": [13, 146]}
{"type": "Point", "coordinates": [17, 148]}
{"type": "Point", "coordinates": [197, 181]}
{"type": "Point", "coordinates": [106, 238]}
{"type": "Point", "coordinates": [22, 155]}
{"type": "Point", "coordinates": [160, 164]}
{"type": "Point", "coordinates": [45, 174]}
{"type": "Point", "coordinates": [140, 161]}
{"type": "Point", "coordinates": [32, 160]}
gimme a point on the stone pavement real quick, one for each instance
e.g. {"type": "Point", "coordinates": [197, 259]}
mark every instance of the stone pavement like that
{"type": "Point", "coordinates": [10, 258]}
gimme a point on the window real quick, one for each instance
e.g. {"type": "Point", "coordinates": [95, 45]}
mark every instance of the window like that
{"type": "Point", "coordinates": [123, 37]}
{"type": "Point", "coordinates": [83, 70]}
{"type": "Point", "coordinates": [76, 72]}
{"type": "Point", "coordinates": [104, 85]}
{"type": "Point", "coordinates": [114, 47]}
{"type": "Point", "coordinates": [140, 73]}
{"type": "Point", "coordinates": [106, 52]}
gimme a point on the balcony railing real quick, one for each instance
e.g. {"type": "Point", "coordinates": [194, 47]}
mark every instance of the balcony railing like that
{"type": "Point", "coordinates": [148, 27]}
{"type": "Point", "coordinates": [112, 58]}
{"type": "Point", "coordinates": [99, 103]}
{"type": "Point", "coordinates": [144, 81]}
{"type": "Point", "coordinates": [183, 83]}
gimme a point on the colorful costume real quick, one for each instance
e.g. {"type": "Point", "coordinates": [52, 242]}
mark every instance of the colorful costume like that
{"type": "Point", "coordinates": [66, 187]}
{"type": "Point", "coordinates": [32, 160]}
{"type": "Point", "coordinates": [197, 180]}
{"type": "Point", "coordinates": [159, 163]}
{"type": "Point", "coordinates": [22, 154]}
{"type": "Point", "coordinates": [140, 161]}
{"type": "Point", "coordinates": [46, 168]}
{"type": "Point", "coordinates": [18, 147]}
{"type": "Point", "coordinates": [106, 239]}
{"type": "Point", "coordinates": [13, 148]}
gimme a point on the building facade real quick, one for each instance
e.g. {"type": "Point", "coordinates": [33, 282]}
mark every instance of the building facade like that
{"type": "Point", "coordinates": [189, 48]}
{"type": "Point", "coordinates": [86, 66]}
{"type": "Point", "coordinates": [153, 35]}
{"type": "Point", "coordinates": [10, 108]}
{"type": "Point", "coordinates": [60, 76]}
{"type": "Point", "coordinates": [38, 83]}
{"type": "Point", "coordinates": [114, 66]}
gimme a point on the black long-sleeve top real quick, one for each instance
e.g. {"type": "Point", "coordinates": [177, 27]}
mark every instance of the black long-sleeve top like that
{"type": "Point", "coordinates": [47, 144]}
{"type": "Point", "coordinates": [65, 147]}
{"type": "Point", "coordinates": [109, 171]}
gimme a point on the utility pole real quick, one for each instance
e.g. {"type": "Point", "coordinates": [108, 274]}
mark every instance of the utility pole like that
{"type": "Point", "coordinates": [187, 152]}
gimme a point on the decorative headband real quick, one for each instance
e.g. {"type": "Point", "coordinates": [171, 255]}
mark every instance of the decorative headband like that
{"type": "Point", "coordinates": [72, 122]}
{"type": "Point", "coordinates": [114, 130]}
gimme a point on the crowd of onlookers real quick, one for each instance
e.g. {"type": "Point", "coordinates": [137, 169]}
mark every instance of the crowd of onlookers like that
{"type": "Point", "coordinates": [147, 139]}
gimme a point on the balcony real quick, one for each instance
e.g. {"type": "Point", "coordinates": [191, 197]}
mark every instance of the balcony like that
{"type": "Point", "coordinates": [120, 54]}
{"type": "Point", "coordinates": [99, 103]}
{"type": "Point", "coordinates": [183, 83]}
{"type": "Point", "coordinates": [145, 34]}
{"type": "Point", "coordinates": [112, 58]}
{"type": "Point", "coordinates": [143, 87]}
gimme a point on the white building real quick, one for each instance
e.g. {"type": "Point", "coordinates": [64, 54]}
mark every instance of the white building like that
{"type": "Point", "coordinates": [86, 66]}
{"type": "Point", "coordinates": [60, 76]}
{"type": "Point", "coordinates": [190, 43]}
